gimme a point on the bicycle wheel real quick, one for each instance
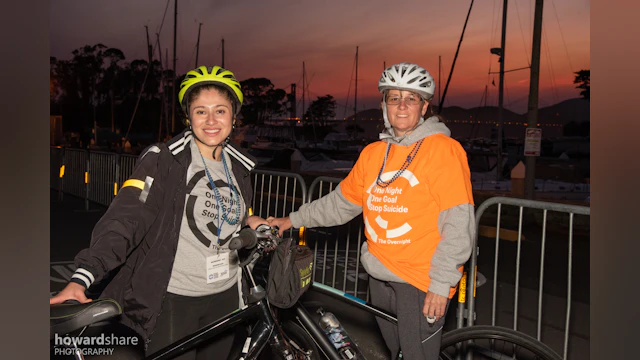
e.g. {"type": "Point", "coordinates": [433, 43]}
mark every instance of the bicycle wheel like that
{"type": "Point", "coordinates": [493, 342]}
{"type": "Point", "coordinates": [301, 342]}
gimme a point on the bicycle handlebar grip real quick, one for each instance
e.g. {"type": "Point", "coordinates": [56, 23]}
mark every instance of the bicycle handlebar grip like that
{"type": "Point", "coordinates": [246, 238]}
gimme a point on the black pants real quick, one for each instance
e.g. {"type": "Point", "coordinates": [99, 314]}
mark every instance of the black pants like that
{"type": "Point", "coordinates": [417, 339]}
{"type": "Point", "coordinates": [183, 315]}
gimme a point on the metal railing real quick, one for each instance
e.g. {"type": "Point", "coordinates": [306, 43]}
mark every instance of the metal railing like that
{"type": "Point", "coordinates": [102, 170]}
{"type": "Point", "coordinates": [92, 175]}
{"type": "Point", "coordinates": [337, 249]}
{"type": "Point", "coordinates": [75, 179]}
{"type": "Point", "coordinates": [523, 206]}
{"type": "Point", "coordinates": [56, 170]}
{"type": "Point", "coordinates": [277, 193]}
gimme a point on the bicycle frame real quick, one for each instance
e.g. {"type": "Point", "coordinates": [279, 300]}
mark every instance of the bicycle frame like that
{"type": "Point", "coordinates": [266, 330]}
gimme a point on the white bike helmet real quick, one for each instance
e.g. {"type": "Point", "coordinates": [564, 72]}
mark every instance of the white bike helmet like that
{"type": "Point", "coordinates": [406, 76]}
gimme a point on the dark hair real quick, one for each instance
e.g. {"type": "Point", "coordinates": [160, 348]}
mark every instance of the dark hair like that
{"type": "Point", "coordinates": [226, 93]}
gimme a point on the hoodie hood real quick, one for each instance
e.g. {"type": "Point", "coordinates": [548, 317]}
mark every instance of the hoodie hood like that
{"type": "Point", "coordinates": [428, 127]}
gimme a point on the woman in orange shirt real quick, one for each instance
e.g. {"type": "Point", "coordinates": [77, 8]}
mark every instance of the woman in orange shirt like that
{"type": "Point", "coordinates": [413, 188]}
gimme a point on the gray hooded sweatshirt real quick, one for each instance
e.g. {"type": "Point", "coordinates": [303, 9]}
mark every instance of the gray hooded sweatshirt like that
{"type": "Point", "coordinates": [456, 225]}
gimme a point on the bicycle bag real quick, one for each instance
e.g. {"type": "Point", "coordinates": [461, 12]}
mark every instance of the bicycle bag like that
{"type": "Point", "coordinates": [289, 273]}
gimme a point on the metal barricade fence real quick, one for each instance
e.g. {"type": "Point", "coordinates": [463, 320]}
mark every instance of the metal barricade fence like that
{"type": "Point", "coordinates": [74, 180]}
{"type": "Point", "coordinates": [102, 184]}
{"type": "Point", "coordinates": [56, 170]}
{"type": "Point", "coordinates": [337, 249]}
{"type": "Point", "coordinates": [277, 193]}
{"type": "Point", "coordinates": [528, 206]}
{"type": "Point", "coordinates": [92, 175]}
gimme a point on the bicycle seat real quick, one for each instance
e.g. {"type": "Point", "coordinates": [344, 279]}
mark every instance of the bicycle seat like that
{"type": "Point", "coordinates": [64, 318]}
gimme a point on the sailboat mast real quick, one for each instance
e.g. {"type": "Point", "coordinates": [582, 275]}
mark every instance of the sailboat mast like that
{"type": "Point", "coordinates": [198, 44]}
{"type": "Point", "coordinates": [304, 88]}
{"type": "Point", "coordinates": [532, 113]}
{"type": "Point", "coordinates": [503, 45]}
{"type": "Point", "coordinates": [439, 80]}
{"type": "Point", "coordinates": [175, 74]}
{"type": "Point", "coordinates": [444, 94]}
{"type": "Point", "coordinates": [162, 94]}
{"type": "Point", "coordinates": [355, 101]}
{"type": "Point", "coordinates": [166, 61]}
{"type": "Point", "coordinates": [223, 52]}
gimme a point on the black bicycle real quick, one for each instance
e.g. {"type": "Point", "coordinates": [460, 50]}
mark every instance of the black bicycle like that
{"type": "Point", "coordinates": [291, 333]}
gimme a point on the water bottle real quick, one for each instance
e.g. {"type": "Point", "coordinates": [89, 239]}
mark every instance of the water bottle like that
{"type": "Point", "coordinates": [347, 349]}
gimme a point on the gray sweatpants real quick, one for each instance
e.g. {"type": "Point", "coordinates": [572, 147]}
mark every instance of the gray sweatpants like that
{"type": "Point", "coordinates": [417, 339]}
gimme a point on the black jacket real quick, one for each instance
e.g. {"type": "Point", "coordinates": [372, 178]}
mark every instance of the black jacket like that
{"type": "Point", "coordinates": [140, 230]}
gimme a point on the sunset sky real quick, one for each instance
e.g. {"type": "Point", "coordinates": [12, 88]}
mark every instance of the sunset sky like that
{"type": "Point", "coordinates": [272, 38]}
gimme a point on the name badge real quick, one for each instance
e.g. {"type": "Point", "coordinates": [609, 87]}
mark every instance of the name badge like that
{"type": "Point", "coordinates": [217, 267]}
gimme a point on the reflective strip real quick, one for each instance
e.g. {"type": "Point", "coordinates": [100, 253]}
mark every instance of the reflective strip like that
{"type": "Point", "coordinates": [462, 289]}
{"type": "Point", "coordinates": [135, 183]}
{"type": "Point", "coordinates": [250, 211]}
{"type": "Point", "coordinates": [475, 281]}
{"type": "Point", "coordinates": [303, 240]}
{"type": "Point", "coordinates": [147, 186]}
{"type": "Point", "coordinates": [153, 149]}
{"type": "Point", "coordinates": [61, 171]}
{"type": "Point", "coordinates": [86, 177]}
{"type": "Point", "coordinates": [115, 189]}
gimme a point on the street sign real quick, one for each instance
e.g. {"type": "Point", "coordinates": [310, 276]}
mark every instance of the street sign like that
{"type": "Point", "coordinates": [532, 140]}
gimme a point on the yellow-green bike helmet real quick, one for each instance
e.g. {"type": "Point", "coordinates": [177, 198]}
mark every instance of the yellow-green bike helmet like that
{"type": "Point", "coordinates": [204, 75]}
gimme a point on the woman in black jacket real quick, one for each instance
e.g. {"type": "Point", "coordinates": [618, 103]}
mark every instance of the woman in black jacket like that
{"type": "Point", "coordinates": [168, 228]}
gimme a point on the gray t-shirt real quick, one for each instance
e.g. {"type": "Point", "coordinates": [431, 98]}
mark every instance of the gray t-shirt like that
{"type": "Point", "coordinates": [199, 246]}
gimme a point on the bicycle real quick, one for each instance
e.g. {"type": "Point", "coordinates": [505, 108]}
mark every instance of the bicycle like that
{"type": "Point", "coordinates": [291, 333]}
{"type": "Point", "coordinates": [287, 339]}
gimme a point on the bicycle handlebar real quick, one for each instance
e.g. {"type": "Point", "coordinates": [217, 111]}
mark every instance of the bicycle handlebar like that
{"type": "Point", "coordinates": [246, 238]}
{"type": "Point", "coordinates": [263, 235]}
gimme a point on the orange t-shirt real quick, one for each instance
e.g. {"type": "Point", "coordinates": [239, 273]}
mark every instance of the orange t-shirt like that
{"type": "Point", "coordinates": [401, 220]}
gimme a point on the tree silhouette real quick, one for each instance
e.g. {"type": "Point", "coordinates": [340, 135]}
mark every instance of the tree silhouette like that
{"type": "Point", "coordinates": [321, 109]}
{"type": "Point", "coordinates": [97, 84]}
{"type": "Point", "coordinates": [582, 78]}
{"type": "Point", "coordinates": [261, 100]}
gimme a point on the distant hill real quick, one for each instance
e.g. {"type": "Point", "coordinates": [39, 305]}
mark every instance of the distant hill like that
{"type": "Point", "coordinates": [564, 112]}
{"type": "Point", "coordinates": [577, 110]}
{"type": "Point", "coordinates": [375, 114]}
{"type": "Point", "coordinates": [486, 113]}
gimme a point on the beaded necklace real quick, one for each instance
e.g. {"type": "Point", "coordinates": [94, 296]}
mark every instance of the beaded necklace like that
{"type": "Point", "coordinates": [234, 194]}
{"type": "Point", "coordinates": [407, 162]}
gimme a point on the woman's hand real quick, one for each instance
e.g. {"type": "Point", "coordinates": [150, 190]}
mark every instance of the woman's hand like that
{"type": "Point", "coordinates": [72, 291]}
{"type": "Point", "coordinates": [283, 224]}
{"type": "Point", "coordinates": [255, 221]}
{"type": "Point", "coordinates": [434, 305]}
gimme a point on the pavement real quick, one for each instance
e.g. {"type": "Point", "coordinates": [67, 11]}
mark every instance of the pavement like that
{"type": "Point", "coordinates": [71, 227]}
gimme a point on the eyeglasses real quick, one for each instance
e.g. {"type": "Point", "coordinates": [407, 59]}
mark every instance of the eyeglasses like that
{"type": "Point", "coordinates": [409, 100]}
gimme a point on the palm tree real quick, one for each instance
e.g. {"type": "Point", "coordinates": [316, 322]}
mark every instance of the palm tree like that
{"type": "Point", "coordinates": [582, 78]}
